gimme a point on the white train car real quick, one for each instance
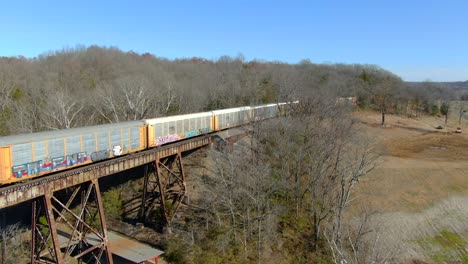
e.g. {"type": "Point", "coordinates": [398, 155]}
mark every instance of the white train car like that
{"type": "Point", "coordinates": [262, 112]}
{"type": "Point", "coordinates": [231, 117]}
{"type": "Point", "coordinates": [168, 129]}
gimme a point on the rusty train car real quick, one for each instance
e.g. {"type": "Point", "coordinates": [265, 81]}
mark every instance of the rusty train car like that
{"type": "Point", "coordinates": [31, 155]}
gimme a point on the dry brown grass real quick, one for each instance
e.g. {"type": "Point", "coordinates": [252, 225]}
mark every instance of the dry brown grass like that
{"type": "Point", "coordinates": [419, 165]}
{"type": "Point", "coordinates": [419, 186]}
{"type": "Point", "coordinates": [442, 146]}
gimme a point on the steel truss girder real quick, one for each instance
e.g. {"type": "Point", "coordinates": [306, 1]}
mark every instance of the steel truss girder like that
{"type": "Point", "coordinates": [164, 183]}
{"type": "Point", "coordinates": [83, 227]}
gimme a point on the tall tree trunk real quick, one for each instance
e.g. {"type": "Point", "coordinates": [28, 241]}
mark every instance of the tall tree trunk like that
{"type": "Point", "coordinates": [460, 117]}
{"type": "Point", "coordinates": [316, 231]}
{"type": "Point", "coordinates": [383, 118]}
{"type": "Point", "coordinates": [296, 192]}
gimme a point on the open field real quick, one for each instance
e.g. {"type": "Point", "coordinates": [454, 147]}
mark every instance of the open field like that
{"type": "Point", "coordinates": [418, 192]}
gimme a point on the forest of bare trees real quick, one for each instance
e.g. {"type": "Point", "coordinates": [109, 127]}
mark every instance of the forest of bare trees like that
{"type": "Point", "coordinates": [283, 195]}
{"type": "Point", "coordinates": [87, 86]}
{"type": "Point", "coordinates": [94, 85]}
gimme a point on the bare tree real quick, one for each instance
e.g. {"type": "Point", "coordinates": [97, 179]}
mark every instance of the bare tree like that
{"type": "Point", "coordinates": [130, 99]}
{"type": "Point", "coordinates": [321, 160]}
{"type": "Point", "coordinates": [6, 88]}
{"type": "Point", "coordinates": [62, 110]}
{"type": "Point", "coordinates": [384, 95]}
{"type": "Point", "coordinates": [444, 109]}
{"type": "Point", "coordinates": [240, 200]}
{"type": "Point", "coordinates": [12, 244]}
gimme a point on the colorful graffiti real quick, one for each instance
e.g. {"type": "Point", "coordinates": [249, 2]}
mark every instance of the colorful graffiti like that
{"type": "Point", "coordinates": [192, 133]}
{"type": "Point", "coordinates": [49, 164]}
{"type": "Point", "coordinates": [167, 139]}
{"type": "Point", "coordinates": [197, 132]}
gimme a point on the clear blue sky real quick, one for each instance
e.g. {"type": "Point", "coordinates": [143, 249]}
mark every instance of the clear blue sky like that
{"type": "Point", "coordinates": [418, 40]}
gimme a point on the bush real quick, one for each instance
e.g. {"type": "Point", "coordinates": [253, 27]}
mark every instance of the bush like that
{"type": "Point", "coordinates": [112, 204]}
{"type": "Point", "coordinates": [176, 251]}
{"type": "Point", "coordinates": [435, 110]}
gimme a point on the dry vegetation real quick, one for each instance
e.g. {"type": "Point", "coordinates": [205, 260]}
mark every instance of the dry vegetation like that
{"type": "Point", "coordinates": [430, 145]}
{"type": "Point", "coordinates": [418, 193]}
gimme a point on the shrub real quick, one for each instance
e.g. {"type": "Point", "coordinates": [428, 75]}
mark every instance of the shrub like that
{"type": "Point", "coordinates": [112, 204]}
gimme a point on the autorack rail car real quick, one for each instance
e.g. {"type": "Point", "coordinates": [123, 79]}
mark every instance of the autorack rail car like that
{"type": "Point", "coordinates": [266, 111]}
{"type": "Point", "coordinates": [35, 154]}
{"type": "Point", "coordinates": [30, 155]}
{"type": "Point", "coordinates": [231, 117]}
{"type": "Point", "coordinates": [173, 128]}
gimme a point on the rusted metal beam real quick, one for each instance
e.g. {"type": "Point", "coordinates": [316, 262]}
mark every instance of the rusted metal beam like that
{"type": "Point", "coordinates": [168, 185]}
{"type": "Point", "coordinates": [161, 192]}
{"type": "Point", "coordinates": [142, 212]}
{"type": "Point", "coordinates": [180, 177]}
{"type": "Point", "coordinates": [151, 193]}
{"type": "Point", "coordinates": [105, 247]}
{"type": "Point", "coordinates": [40, 235]}
{"type": "Point", "coordinates": [41, 241]}
{"type": "Point", "coordinates": [181, 167]}
{"type": "Point", "coordinates": [33, 231]}
{"type": "Point", "coordinates": [53, 228]}
{"type": "Point", "coordinates": [91, 241]}
{"type": "Point", "coordinates": [172, 185]}
{"type": "Point", "coordinates": [28, 190]}
{"type": "Point", "coordinates": [81, 227]}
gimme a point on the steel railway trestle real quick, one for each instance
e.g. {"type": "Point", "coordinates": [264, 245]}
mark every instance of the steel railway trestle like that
{"type": "Point", "coordinates": [164, 183]}
{"type": "Point", "coordinates": [84, 237]}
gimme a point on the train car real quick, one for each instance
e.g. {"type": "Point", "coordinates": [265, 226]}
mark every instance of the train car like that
{"type": "Point", "coordinates": [168, 129]}
{"type": "Point", "coordinates": [284, 108]}
{"type": "Point", "coordinates": [262, 112]}
{"type": "Point", "coordinates": [30, 155]}
{"type": "Point", "coordinates": [231, 117]}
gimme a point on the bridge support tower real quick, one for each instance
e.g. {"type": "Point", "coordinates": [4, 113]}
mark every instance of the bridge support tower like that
{"type": "Point", "coordinates": [60, 232]}
{"type": "Point", "coordinates": [164, 186]}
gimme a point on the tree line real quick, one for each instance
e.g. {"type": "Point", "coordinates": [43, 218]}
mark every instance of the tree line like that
{"type": "Point", "coordinates": [94, 85]}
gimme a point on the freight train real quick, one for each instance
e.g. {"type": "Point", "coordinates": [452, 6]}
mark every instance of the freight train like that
{"type": "Point", "coordinates": [31, 155]}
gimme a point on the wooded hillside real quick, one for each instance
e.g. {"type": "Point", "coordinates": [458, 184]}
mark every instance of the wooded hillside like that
{"type": "Point", "coordinates": [94, 85]}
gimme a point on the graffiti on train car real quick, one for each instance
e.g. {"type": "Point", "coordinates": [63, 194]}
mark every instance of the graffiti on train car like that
{"type": "Point", "coordinates": [197, 132]}
{"type": "Point", "coordinates": [100, 155]}
{"type": "Point", "coordinates": [117, 150]}
{"type": "Point", "coordinates": [167, 139]}
{"type": "Point", "coordinates": [49, 164]}
{"type": "Point", "coordinates": [192, 133]}
{"type": "Point", "coordinates": [204, 130]}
